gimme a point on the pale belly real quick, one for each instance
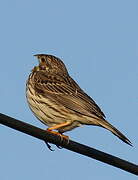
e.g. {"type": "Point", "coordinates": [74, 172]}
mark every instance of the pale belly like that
{"type": "Point", "coordinates": [51, 113]}
{"type": "Point", "coordinates": [46, 111]}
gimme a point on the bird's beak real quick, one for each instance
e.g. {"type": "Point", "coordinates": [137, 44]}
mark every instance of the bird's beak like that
{"type": "Point", "coordinates": [36, 55]}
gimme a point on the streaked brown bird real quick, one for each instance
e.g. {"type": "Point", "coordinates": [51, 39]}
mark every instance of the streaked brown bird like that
{"type": "Point", "coordinates": [58, 101]}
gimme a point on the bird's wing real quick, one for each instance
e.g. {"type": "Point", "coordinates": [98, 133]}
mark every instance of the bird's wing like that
{"type": "Point", "coordinates": [66, 91]}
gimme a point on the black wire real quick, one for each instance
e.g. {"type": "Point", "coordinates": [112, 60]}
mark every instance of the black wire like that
{"type": "Point", "coordinates": [70, 145]}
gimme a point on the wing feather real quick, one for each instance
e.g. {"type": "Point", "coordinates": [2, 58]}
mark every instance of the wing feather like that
{"type": "Point", "coordinates": [65, 91]}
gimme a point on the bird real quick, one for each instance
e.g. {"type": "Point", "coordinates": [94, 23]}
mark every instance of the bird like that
{"type": "Point", "coordinates": [59, 102]}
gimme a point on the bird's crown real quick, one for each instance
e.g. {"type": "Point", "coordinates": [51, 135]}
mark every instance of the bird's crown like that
{"type": "Point", "coordinates": [50, 64]}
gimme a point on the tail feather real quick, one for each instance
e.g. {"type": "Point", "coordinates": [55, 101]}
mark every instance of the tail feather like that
{"type": "Point", "coordinates": [103, 123]}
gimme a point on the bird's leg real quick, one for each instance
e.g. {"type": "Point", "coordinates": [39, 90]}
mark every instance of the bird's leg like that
{"type": "Point", "coordinates": [57, 133]}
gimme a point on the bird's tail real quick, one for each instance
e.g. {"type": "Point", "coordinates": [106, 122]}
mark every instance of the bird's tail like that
{"type": "Point", "coordinates": [103, 123]}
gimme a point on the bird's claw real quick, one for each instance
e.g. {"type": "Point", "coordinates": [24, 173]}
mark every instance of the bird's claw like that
{"type": "Point", "coordinates": [49, 147]}
{"type": "Point", "coordinates": [62, 137]}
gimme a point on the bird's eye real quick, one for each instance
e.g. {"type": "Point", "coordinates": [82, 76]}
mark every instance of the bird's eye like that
{"type": "Point", "coordinates": [42, 59]}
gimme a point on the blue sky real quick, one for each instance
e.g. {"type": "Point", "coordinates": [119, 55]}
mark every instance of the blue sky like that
{"type": "Point", "coordinates": [98, 42]}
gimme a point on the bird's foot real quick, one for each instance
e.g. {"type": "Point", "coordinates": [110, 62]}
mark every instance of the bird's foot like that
{"type": "Point", "coordinates": [63, 138]}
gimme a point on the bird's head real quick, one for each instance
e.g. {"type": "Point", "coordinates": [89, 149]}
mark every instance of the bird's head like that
{"type": "Point", "coordinates": [50, 64]}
